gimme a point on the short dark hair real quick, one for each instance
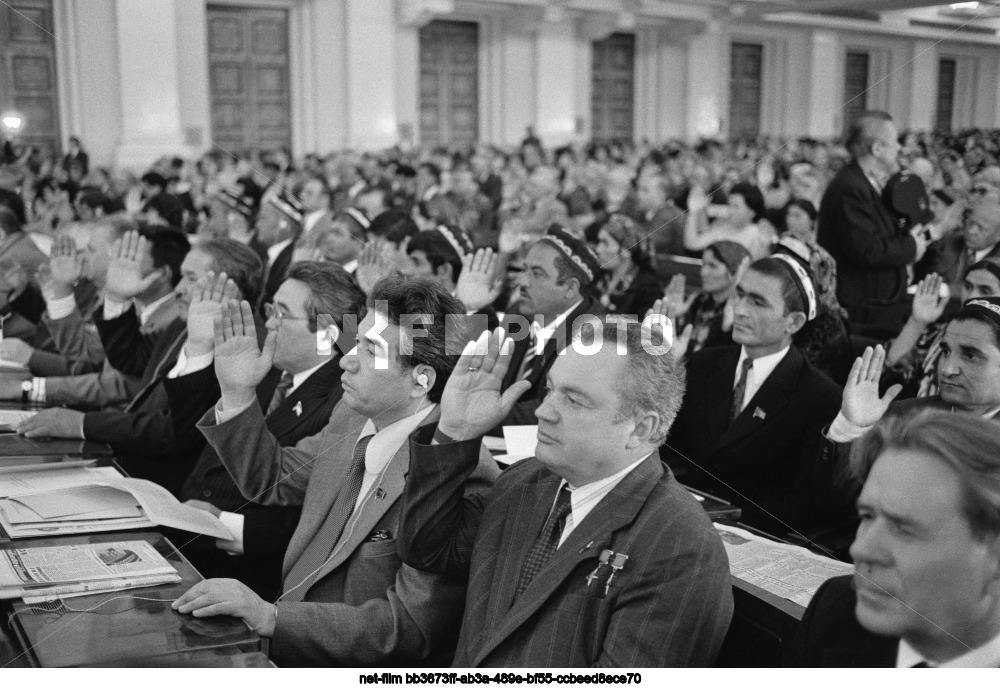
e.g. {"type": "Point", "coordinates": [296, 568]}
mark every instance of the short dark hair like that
{"type": "Point", "coordinates": [859, 134]}
{"type": "Point", "coordinates": [980, 316]}
{"type": "Point", "coordinates": [168, 247]}
{"type": "Point", "coordinates": [791, 293]}
{"type": "Point", "coordinates": [752, 197]}
{"type": "Point", "coordinates": [167, 206]}
{"type": "Point", "coordinates": [967, 443]}
{"type": "Point", "coordinates": [9, 222]}
{"type": "Point", "coordinates": [333, 291]}
{"type": "Point", "coordinates": [240, 262]}
{"type": "Point", "coordinates": [95, 198]}
{"type": "Point", "coordinates": [438, 251]}
{"type": "Point", "coordinates": [393, 225]}
{"type": "Point", "coordinates": [405, 295]}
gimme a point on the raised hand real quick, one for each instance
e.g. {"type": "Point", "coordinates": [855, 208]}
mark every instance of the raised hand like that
{"type": "Point", "coordinates": [372, 266]}
{"type": "Point", "coordinates": [125, 279]}
{"type": "Point", "coordinates": [674, 303]}
{"type": "Point", "coordinates": [211, 294]}
{"type": "Point", "coordinates": [681, 343]}
{"type": "Point", "coordinates": [927, 302]}
{"type": "Point", "coordinates": [477, 285]}
{"type": "Point", "coordinates": [861, 403]}
{"type": "Point", "coordinates": [240, 364]}
{"type": "Point", "coordinates": [65, 268]}
{"type": "Point", "coordinates": [472, 404]}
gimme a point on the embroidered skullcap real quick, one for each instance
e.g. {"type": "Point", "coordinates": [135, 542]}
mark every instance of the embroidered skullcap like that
{"type": "Point", "coordinates": [575, 250]}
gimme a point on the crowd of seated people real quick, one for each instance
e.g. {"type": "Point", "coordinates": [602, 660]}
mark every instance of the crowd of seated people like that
{"type": "Point", "coordinates": [279, 342]}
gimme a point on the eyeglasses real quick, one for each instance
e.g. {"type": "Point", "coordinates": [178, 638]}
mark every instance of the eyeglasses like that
{"type": "Point", "coordinates": [983, 191]}
{"type": "Point", "coordinates": [271, 312]}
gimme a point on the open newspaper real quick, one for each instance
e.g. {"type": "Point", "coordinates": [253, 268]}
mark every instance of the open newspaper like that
{"type": "Point", "coordinates": [42, 501]}
{"type": "Point", "coordinates": [793, 573]}
{"type": "Point", "coordinates": [75, 569]}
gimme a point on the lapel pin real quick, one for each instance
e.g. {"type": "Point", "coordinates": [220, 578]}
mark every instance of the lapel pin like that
{"type": "Point", "coordinates": [297, 408]}
{"type": "Point", "coordinates": [602, 561]}
{"type": "Point", "coordinates": [380, 493]}
{"type": "Point", "coordinates": [759, 413]}
{"type": "Point", "coordinates": [617, 565]}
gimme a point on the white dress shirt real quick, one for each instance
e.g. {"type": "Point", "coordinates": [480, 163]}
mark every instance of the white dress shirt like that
{"type": "Point", "coordinates": [274, 251]}
{"type": "Point", "coordinates": [843, 430]}
{"type": "Point", "coordinates": [542, 334]}
{"type": "Point", "coordinates": [583, 499]}
{"type": "Point", "coordinates": [758, 374]}
{"type": "Point", "coordinates": [983, 657]}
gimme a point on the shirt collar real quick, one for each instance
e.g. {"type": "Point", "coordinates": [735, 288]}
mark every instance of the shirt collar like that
{"type": "Point", "coordinates": [763, 366]}
{"type": "Point", "coordinates": [147, 310]}
{"type": "Point", "coordinates": [387, 441]}
{"type": "Point", "coordinates": [543, 334]}
{"type": "Point", "coordinates": [274, 251]}
{"type": "Point", "coordinates": [299, 378]}
{"type": "Point", "coordinates": [983, 657]}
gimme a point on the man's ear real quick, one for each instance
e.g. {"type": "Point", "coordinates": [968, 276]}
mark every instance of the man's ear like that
{"type": "Point", "coordinates": [444, 273]}
{"type": "Point", "coordinates": [645, 429]}
{"type": "Point", "coordinates": [796, 321]}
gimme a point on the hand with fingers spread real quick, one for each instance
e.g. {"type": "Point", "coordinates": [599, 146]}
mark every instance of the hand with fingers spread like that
{"type": "Point", "coordinates": [861, 403]}
{"type": "Point", "coordinates": [675, 304]}
{"type": "Point", "coordinates": [372, 266]}
{"type": "Point", "coordinates": [125, 279]}
{"type": "Point", "coordinates": [211, 294]}
{"type": "Point", "coordinates": [227, 597]}
{"type": "Point", "coordinates": [478, 286]}
{"type": "Point", "coordinates": [240, 364]}
{"type": "Point", "coordinates": [928, 305]}
{"type": "Point", "coordinates": [472, 404]}
{"type": "Point", "coordinates": [53, 422]}
{"type": "Point", "coordinates": [65, 269]}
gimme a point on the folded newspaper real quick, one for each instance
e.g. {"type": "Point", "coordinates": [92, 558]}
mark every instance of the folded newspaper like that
{"type": "Point", "coordinates": [793, 573]}
{"type": "Point", "coordinates": [82, 569]}
{"type": "Point", "coordinates": [43, 501]}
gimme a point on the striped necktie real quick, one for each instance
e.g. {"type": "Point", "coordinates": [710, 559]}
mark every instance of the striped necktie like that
{"type": "Point", "coordinates": [547, 542]}
{"type": "Point", "coordinates": [740, 390]}
{"type": "Point", "coordinates": [280, 392]}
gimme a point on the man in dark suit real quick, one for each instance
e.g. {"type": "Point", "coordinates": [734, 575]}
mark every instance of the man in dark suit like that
{"type": "Point", "coordinates": [589, 554]}
{"type": "Point", "coordinates": [299, 406]}
{"type": "Point", "coordinates": [662, 221]}
{"type": "Point", "coordinates": [858, 230]}
{"type": "Point", "coordinates": [347, 599]}
{"type": "Point", "coordinates": [555, 296]}
{"type": "Point", "coordinates": [151, 442]}
{"type": "Point", "coordinates": [978, 239]}
{"type": "Point", "coordinates": [925, 588]}
{"type": "Point", "coordinates": [279, 224]}
{"type": "Point", "coordinates": [750, 428]}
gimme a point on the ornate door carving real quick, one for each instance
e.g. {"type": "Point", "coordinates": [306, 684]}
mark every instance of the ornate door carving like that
{"type": "Point", "coordinates": [745, 77]}
{"type": "Point", "coordinates": [248, 78]}
{"type": "Point", "coordinates": [449, 82]}
{"type": "Point", "coordinates": [612, 93]}
{"type": "Point", "coordinates": [28, 71]}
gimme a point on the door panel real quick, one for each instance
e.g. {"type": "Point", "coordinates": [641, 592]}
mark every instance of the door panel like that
{"type": "Point", "coordinates": [613, 90]}
{"type": "Point", "coordinates": [248, 78]}
{"type": "Point", "coordinates": [745, 81]}
{"type": "Point", "coordinates": [449, 82]}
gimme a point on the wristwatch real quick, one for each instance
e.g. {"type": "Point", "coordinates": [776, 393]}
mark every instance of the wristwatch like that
{"type": "Point", "coordinates": [26, 388]}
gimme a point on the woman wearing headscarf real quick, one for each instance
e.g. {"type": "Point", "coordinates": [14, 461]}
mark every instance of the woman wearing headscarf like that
{"type": "Point", "coordinates": [628, 284]}
{"type": "Point", "coordinates": [709, 311]}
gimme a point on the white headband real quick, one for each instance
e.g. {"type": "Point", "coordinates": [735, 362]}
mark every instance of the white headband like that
{"type": "Point", "coordinates": [805, 282]}
{"type": "Point", "coordinates": [451, 239]}
{"type": "Point", "coordinates": [359, 217]}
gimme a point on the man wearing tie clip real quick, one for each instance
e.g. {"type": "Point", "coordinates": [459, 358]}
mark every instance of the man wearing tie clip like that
{"type": "Point", "coordinates": [590, 553]}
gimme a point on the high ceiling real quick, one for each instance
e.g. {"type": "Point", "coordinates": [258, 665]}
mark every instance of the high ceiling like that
{"type": "Point", "coordinates": [964, 10]}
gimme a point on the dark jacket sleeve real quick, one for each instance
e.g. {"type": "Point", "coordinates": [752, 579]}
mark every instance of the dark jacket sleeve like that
{"type": "Point", "coordinates": [860, 238]}
{"type": "Point", "coordinates": [268, 529]}
{"type": "Point", "coordinates": [126, 347]}
{"type": "Point", "coordinates": [29, 304]}
{"type": "Point", "coordinates": [437, 528]}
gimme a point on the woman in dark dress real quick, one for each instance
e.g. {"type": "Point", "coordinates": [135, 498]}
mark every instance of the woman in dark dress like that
{"type": "Point", "coordinates": [628, 284]}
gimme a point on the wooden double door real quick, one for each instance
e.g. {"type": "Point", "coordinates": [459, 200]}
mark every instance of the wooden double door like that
{"type": "Point", "coordinates": [28, 72]}
{"type": "Point", "coordinates": [613, 88]}
{"type": "Point", "coordinates": [249, 78]}
{"type": "Point", "coordinates": [449, 83]}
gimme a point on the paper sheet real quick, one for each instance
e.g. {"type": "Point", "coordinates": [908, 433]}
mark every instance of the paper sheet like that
{"type": "Point", "coordinates": [95, 501]}
{"type": "Point", "coordinates": [10, 418]}
{"type": "Point", "coordinates": [163, 509]}
{"type": "Point", "coordinates": [520, 442]}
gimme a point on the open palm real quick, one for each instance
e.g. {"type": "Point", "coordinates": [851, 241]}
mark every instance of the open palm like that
{"type": "Point", "coordinates": [861, 403]}
{"type": "Point", "coordinates": [125, 279]}
{"type": "Point", "coordinates": [477, 285]}
{"type": "Point", "coordinates": [240, 364]}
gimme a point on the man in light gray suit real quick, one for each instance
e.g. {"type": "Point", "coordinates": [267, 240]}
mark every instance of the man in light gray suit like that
{"type": "Point", "coordinates": [346, 599]}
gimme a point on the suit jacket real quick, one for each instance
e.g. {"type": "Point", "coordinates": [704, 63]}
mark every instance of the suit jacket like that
{"type": "Point", "coordinates": [150, 441]}
{"type": "Point", "coordinates": [830, 635]}
{"type": "Point", "coordinates": [638, 298]}
{"type": "Point", "coordinates": [266, 529]}
{"type": "Point", "coordinates": [666, 229]}
{"type": "Point", "coordinates": [768, 460]}
{"type": "Point", "coordinates": [274, 275]}
{"type": "Point", "coordinates": [362, 606]}
{"type": "Point", "coordinates": [109, 387]}
{"type": "Point", "coordinates": [523, 412]}
{"type": "Point", "coordinates": [949, 258]}
{"type": "Point", "coordinates": [861, 235]}
{"type": "Point", "coordinates": [669, 606]}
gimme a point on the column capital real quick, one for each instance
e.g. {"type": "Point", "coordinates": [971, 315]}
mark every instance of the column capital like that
{"type": "Point", "coordinates": [417, 13]}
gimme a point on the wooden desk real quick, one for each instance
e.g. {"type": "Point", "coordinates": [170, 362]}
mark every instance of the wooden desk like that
{"type": "Point", "coordinates": [126, 631]}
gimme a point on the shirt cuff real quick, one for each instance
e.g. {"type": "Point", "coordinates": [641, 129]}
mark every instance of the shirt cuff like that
{"type": "Point", "coordinates": [61, 308]}
{"type": "Point", "coordinates": [234, 524]}
{"type": "Point", "coordinates": [228, 414]}
{"type": "Point", "coordinates": [112, 308]}
{"type": "Point", "coordinates": [37, 390]}
{"type": "Point", "coordinates": [193, 365]}
{"type": "Point", "coordinates": [843, 430]}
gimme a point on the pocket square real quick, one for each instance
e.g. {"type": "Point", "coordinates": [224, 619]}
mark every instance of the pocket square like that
{"type": "Point", "coordinates": [298, 408]}
{"type": "Point", "coordinates": [379, 536]}
{"type": "Point", "coordinates": [759, 413]}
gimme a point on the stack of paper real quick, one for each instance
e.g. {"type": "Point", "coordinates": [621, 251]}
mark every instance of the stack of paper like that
{"type": "Point", "coordinates": [64, 571]}
{"type": "Point", "coordinates": [50, 499]}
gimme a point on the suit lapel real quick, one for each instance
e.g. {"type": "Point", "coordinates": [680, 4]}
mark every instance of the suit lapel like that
{"type": "Point", "coordinates": [315, 390]}
{"type": "Point", "coordinates": [719, 386]}
{"type": "Point", "coordinates": [769, 400]}
{"type": "Point", "coordinates": [618, 508]}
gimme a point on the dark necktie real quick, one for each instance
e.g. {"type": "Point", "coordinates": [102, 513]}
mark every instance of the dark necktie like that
{"type": "Point", "coordinates": [740, 390]}
{"type": "Point", "coordinates": [547, 542]}
{"type": "Point", "coordinates": [280, 392]}
{"type": "Point", "coordinates": [324, 544]}
{"type": "Point", "coordinates": [529, 356]}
